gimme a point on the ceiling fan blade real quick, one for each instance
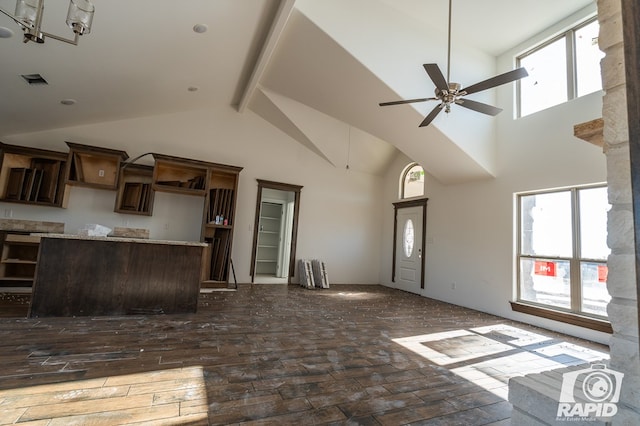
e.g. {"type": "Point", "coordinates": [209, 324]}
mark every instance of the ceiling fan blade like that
{"type": "Point", "coordinates": [436, 76]}
{"type": "Point", "coordinates": [498, 80]}
{"type": "Point", "coordinates": [479, 106]}
{"type": "Point", "coordinates": [408, 101]}
{"type": "Point", "coordinates": [429, 118]}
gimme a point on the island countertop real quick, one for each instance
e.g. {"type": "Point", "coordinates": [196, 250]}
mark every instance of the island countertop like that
{"type": "Point", "coordinates": [78, 275]}
{"type": "Point", "coordinates": [122, 239]}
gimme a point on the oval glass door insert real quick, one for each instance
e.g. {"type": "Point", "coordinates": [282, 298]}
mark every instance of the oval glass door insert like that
{"type": "Point", "coordinates": [408, 238]}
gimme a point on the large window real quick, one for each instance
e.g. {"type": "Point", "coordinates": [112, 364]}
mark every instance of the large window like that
{"type": "Point", "coordinates": [562, 250]}
{"type": "Point", "coordinates": [562, 69]}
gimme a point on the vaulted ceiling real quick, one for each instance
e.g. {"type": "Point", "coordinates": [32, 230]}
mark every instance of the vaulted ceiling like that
{"type": "Point", "coordinates": [314, 69]}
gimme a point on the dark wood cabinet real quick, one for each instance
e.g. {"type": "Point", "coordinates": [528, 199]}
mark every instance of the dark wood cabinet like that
{"type": "Point", "coordinates": [37, 176]}
{"type": "Point", "coordinates": [19, 252]}
{"type": "Point", "coordinates": [18, 261]}
{"type": "Point", "coordinates": [93, 166]}
{"type": "Point", "coordinates": [135, 191]}
{"type": "Point", "coordinates": [219, 220]}
{"type": "Point", "coordinates": [218, 183]}
{"type": "Point", "coordinates": [32, 175]}
{"type": "Point", "coordinates": [79, 276]}
{"type": "Point", "coordinates": [179, 175]}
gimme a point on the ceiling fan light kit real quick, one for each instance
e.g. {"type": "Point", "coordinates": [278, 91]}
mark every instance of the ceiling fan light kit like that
{"type": "Point", "coordinates": [450, 93]}
{"type": "Point", "coordinates": [28, 15]}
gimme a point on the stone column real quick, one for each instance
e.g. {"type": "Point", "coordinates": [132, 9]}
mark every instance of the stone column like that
{"type": "Point", "coordinates": [621, 281]}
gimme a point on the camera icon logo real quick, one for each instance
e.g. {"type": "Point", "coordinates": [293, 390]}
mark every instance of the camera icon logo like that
{"type": "Point", "coordinates": [590, 392]}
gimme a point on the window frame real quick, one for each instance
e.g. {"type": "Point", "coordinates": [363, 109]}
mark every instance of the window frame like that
{"type": "Point", "coordinates": [571, 64]}
{"type": "Point", "coordinates": [403, 177]}
{"type": "Point", "coordinates": [574, 315]}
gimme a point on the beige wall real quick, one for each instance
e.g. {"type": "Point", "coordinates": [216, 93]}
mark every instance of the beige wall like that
{"type": "Point", "coordinates": [339, 214]}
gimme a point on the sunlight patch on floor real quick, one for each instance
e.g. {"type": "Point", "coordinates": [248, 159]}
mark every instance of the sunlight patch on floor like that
{"type": "Point", "coordinates": [165, 397]}
{"type": "Point", "coordinates": [490, 356]}
{"type": "Point", "coordinates": [452, 347]}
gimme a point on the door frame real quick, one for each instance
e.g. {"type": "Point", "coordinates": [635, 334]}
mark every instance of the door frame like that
{"type": "Point", "coordinates": [422, 202]}
{"type": "Point", "coordinates": [296, 189]}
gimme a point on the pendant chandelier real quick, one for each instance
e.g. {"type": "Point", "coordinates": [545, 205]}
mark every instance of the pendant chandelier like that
{"type": "Point", "coordinates": [29, 13]}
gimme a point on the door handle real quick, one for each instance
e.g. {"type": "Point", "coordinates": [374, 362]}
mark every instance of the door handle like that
{"type": "Point", "coordinates": [419, 253]}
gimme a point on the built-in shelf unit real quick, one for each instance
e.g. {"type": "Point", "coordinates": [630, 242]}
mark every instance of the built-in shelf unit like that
{"type": "Point", "coordinates": [268, 238]}
{"type": "Point", "coordinates": [135, 191]}
{"type": "Point", "coordinates": [42, 177]}
{"type": "Point", "coordinates": [93, 166]}
{"type": "Point", "coordinates": [19, 259]}
{"type": "Point", "coordinates": [179, 175]}
{"type": "Point", "coordinates": [218, 183]}
{"type": "Point", "coordinates": [32, 175]}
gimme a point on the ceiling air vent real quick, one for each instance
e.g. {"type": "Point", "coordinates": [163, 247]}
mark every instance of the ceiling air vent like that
{"type": "Point", "coordinates": [34, 78]}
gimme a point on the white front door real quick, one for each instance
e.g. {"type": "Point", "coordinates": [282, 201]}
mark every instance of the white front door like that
{"type": "Point", "coordinates": [408, 271]}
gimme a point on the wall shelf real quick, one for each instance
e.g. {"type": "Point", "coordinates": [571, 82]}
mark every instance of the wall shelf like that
{"type": "Point", "coordinates": [211, 226]}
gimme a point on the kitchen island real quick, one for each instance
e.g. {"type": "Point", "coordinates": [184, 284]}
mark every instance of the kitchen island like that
{"type": "Point", "coordinates": [92, 276]}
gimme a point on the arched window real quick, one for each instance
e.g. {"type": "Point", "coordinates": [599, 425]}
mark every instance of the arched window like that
{"type": "Point", "coordinates": [412, 181]}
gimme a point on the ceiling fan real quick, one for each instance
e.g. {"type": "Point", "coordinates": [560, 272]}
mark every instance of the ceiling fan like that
{"type": "Point", "coordinates": [449, 93]}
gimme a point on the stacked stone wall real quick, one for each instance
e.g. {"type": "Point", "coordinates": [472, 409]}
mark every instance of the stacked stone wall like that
{"type": "Point", "coordinates": [623, 308]}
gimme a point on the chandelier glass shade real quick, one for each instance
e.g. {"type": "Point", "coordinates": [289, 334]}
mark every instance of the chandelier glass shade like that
{"type": "Point", "coordinates": [28, 14]}
{"type": "Point", "coordinates": [80, 16]}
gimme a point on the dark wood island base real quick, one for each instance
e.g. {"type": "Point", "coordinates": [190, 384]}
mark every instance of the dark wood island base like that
{"type": "Point", "coordinates": [101, 276]}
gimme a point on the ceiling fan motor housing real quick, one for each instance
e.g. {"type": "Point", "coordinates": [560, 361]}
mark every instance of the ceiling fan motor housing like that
{"type": "Point", "coordinates": [450, 96]}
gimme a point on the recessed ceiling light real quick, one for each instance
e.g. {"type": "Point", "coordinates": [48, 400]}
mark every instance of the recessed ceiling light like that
{"type": "Point", "coordinates": [200, 28]}
{"type": "Point", "coordinates": [5, 32]}
{"type": "Point", "coordinates": [68, 101]}
{"type": "Point", "coordinates": [192, 89]}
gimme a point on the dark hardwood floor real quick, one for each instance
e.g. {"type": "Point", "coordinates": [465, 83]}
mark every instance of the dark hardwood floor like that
{"type": "Point", "coordinates": [274, 354]}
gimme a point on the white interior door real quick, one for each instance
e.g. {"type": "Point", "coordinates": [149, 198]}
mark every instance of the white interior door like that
{"type": "Point", "coordinates": [408, 272]}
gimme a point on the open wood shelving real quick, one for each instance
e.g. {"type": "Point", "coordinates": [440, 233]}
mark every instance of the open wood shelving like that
{"type": "Point", "coordinates": [36, 176]}
{"type": "Point", "coordinates": [135, 192]}
{"type": "Point", "coordinates": [18, 260]}
{"type": "Point", "coordinates": [32, 175]}
{"type": "Point", "coordinates": [218, 183]}
{"type": "Point", "coordinates": [179, 175]}
{"type": "Point", "coordinates": [93, 166]}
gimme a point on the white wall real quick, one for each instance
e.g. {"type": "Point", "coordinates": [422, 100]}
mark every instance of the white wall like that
{"type": "Point", "coordinates": [339, 215]}
{"type": "Point", "coordinates": [470, 227]}
{"type": "Point", "coordinates": [392, 45]}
